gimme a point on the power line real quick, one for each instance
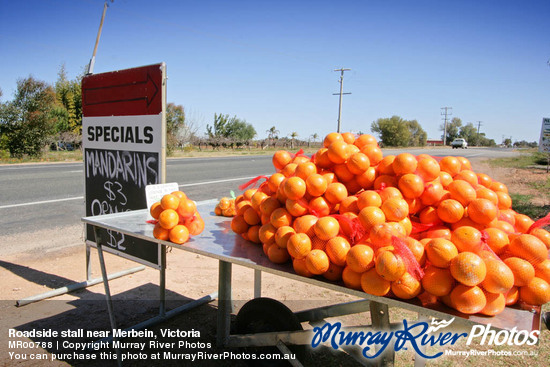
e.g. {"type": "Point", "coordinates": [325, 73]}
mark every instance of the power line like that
{"type": "Point", "coordinates": [341, 81]}
{"type": "Point", "coordinates": [446, 113]}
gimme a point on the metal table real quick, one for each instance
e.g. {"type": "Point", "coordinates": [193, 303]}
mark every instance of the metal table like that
{"type": "Point", "coordinates": [219, 242]}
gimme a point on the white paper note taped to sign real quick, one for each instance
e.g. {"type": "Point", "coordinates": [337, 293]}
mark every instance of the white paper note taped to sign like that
{"type": "Point", "coordinates": [154, 193]}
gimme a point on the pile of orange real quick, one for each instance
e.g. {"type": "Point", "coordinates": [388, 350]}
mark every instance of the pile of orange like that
{"type": "Point", "coordinates": [401, 225]}
{"type": "Point", "coordinates": [176, 218]}
{"type": "Point", "coordinates": [226, 207]}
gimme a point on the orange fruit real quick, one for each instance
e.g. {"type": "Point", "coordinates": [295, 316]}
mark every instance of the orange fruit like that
{"type": "Point", "coordinates": [468, 176]}
{"type": "Point", "coordinates": [294, 188]}
{"type": "Point", "coordinates": [496, 302]}
{"type": "Point", "coordinates": [499, 278]}
{"type": "Point", "coordinates": [450, 211]}
{"type": "Point", "coordinates": [282, 235]}
{"type": "Point", "coordinates": [464, 163]}
{"type": "Point", "coordinates": [522, 223]}
{"type": "Point", "coordinates": [317, 262]}
{"type": "Point", "coordinates": [467, 238]}
{"type": "Point", "coordinates": [364, 140]}
{"type": "Point", "coordinates": [498, 186]}
{"type": "Point", "coordinates": [194, 224]}
{"type": "Point", "coordinates": [257, 199]}
{"type": "Point", "coordinates": [318, 244]}
{"type": "Point", "coordinates": [542, 270]}
{"type": "Point", "coordinates": [299, 245]}
{"type": "Point", "coordinates": [528, 247]}
{"type": "Point", "coordinates": [160, 232]}
{"type": "Point", "coordinates": [428, 169]}
{"type": "Point", "coordinates": [468, 268]}
{"type": "Point", "coordinates": [351, 278]}
{"type": "Point", "coordinates": [251, 217]}
{"type": "Point", "coordinates": [374, 153]}
{"type": "Point", "coordinates": [336, 192]}
{"type": "Point", "coordinates": [348, 137]}
{"type": "Point", "coordinates": [522, 269]}
{"type": "Point", "coordinates": [505, 227]}
{"type": "Point", "coordinates": [433, 193]}
{"type": "Point", "coordinates": [497, 240]}
{"type": "Point", "coordinates": [304, 224]}
{"type": "Point", "coordinates": [437, 281]}
{"type": "Point", "coordinates": [274, 181]}
{"type": "Point", "coordinates": [429, 215]}
{"type": "Point", "coordinates": [334, 272]}
{"type": "Point", "coordinates": [395, 209]}
{"type": "Point", "coordinates": [371, 216]}
{"type": "Point", "coordinates": [485, 193]}
{"type": "Point", "coordinates": [366, 179]}
{"type": "Point", "coordinates": [239, 225]}
{"type": "Point", "coordinates": [268, 205]}
{"type": "Point", "coordinates": [338, 152]}
{"type": "Point", "coordinates": [280, 217]}
{"type": "Point", "coordinates": [179, 234]}
{"type": "Point", "coordinates": [381, 234]}
{"type": "Point", "coordinates": [267, 233]}
{"type": "Point", "coordinates": [482, 211]}
{"type": "Point", "coordinates": [179, 194]}
{"type": "Point", "coordinates": [305, 169]}
{"type": "Point", "coordinates": [169, 201]}
{"type": "Point", "coordinates": [445, 178]}
{"type": "Point", "coordinates": [326, 228]}
{"type": "Point", "coordinates": [406, 287]}
{"type": "Point", "coordinates": [468, 299]}
{"type": "Point", "coordinates": [299, 266]}
{"type": "Point", "coordinates": [319, 207]}
{"type": "Point", "coordinates": [168, 218]}
{"type": "Point", "coordinates": [484, 179]}
{"type": "Point", "coordinates": [451, 165]}
{"type": "Point", "coordinates": [411, 185]}
{"type": "Point", "coordinates": [360, 258]}
{"type": "Point", "coordinates": [349, 204]}
{"type": "Point", "coordinates": [280, 159]}
{"type": "Point", "coordinates": [404, 163]}
{"type": "Point", "coordinates": [369, 198]}
{"type": "Point", "coordinates": [296, 208]}
{"type": "Point", "coordinates": [289, 169]}
{"type": "Point", "coordinates": [253, 234]}
{"type": "Point", "coordinates": [337, 250]}
{"type": "Point", "coordinates": [385, 167]}
{"type": "Point", "coordinates": [358, 163]}
{"type": "Point", "coordinates": [316, 185]}
{"type": "Point", "coordinates": [390, 192]}
{"type": "Point", "coordinates": [374, 284]}
{"type": "Point", "coordinates": [536, 292]}
{"type": "Point", "coordinates": [504, 200]}
{"type": "Point", "coordinates": [277, 254]}
{"type": "Point", "coordinates": [462, 192]}
{"type": "Point", "coordinates": [320, 158]}
{"type": "Point", "coordinates": [512, 296]}
{"type": "Point", "coordinates": [543, 235]}
{"type": "Point", "coordinates": [389, 266]}
{"type": "Point", "coordinates": [243, 206]}
{"type": "Point", "coordinates": [332, 137]}
{"type": "Point", "coordinates": [224, 203]}
{"type": "Point", "coordinates": [438, 231]}
{"type": "Point", "coordinates": [384, 181]}
{"type": "Point", "coordinates": [440, 252]}
{"type": "Point", "coordinates": [155, 210]}
{"type": "Point", "coordinates": [247, 195]}
{"type": "Point", "coordinates": [417, 249]}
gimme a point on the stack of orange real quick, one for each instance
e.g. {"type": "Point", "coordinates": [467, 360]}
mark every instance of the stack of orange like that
{"type": "Point", "coordinates": [398, 225]}
{"type": "Point", "coordinates": [226, 207]}
{"type": "Point", "coordinates": [177, 218]}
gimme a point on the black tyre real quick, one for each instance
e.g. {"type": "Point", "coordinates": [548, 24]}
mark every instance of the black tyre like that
{"type": "Point", "coordinates": [262, 315]}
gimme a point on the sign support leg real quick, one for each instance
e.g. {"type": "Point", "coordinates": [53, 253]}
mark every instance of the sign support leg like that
{"type": "Point", "coordinates": [380, 317]}
{"type": "Point", "coordinates": [162, 281]}
{"type": "Point", "coordinates": [257, 283]}
{"type": "Point", "coordinates": [224, 302]}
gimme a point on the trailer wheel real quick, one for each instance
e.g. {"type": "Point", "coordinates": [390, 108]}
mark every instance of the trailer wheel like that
{"type": "Point", "coordinates": [262, 315]}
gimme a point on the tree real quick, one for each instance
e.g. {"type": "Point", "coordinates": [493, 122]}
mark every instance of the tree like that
{"type": "Point", "coordinates": [469, 132]}
{"type": "Point", "coordinates": [396, 132]}
{"type": "Point", "coordinates": [69, 95]}
{"type": "Point", "coordinates": [230, 127]}
{"type": "Point", "coordinates": [175, 125]}
{"type": "Point", "coordinates": [272, 133]}
{"type": "Point", "coordinates": [453, 129]}
{"type": "Point", "coordinates": [293, 136]}
{"type": "Point", "coordinates": [27, 123]}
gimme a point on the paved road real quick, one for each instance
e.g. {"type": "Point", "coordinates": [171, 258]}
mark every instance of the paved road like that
{"type": "Point", "coordinates": [42, 196]}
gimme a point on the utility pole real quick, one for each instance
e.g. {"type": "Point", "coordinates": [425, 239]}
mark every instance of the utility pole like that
{"type": "Point", "coordinates": [341, 70]}
{"type": "Point", "coordinates": [446, 113]}
{"type": "Point", "coordinates": [92, 60]}
{"type": "Point", "coordinates": [478, 126]}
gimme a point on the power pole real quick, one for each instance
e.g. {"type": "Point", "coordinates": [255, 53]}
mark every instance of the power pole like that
{"type": "Point", "coordinates": [341, 70]}
{"type": "Point", "coordinates": [92, 60]}
{"type": "Point", "coordinates": [478, 126]}
{"type": "Point", "coordinates": [446, 113]}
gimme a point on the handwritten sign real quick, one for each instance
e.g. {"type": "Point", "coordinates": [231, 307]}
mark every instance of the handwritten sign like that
{"type": "Point", "coordinates": [122, 139]}
{"type": "Point", "coordinates": [544, 143]}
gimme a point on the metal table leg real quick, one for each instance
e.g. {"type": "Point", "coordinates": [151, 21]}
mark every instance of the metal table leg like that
{"type": "Point", "coordinates": [224, 303]}
{"type": "Point", "coordinates": [380, 317]}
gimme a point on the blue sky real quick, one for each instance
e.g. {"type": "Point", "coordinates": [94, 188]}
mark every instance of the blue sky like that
{"type": "Point", "coordinates": [271, 62]}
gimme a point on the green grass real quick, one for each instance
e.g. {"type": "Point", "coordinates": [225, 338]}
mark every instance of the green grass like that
{"type": "Point", "coordinates": [527, 158]}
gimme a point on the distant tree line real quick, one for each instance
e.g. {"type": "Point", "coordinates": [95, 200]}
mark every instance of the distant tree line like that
{"type": "Point", "coordinates": [455, 129]}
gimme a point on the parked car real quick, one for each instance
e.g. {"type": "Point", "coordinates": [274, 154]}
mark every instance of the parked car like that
{"type": "Point", "coordinates": [459, 143]}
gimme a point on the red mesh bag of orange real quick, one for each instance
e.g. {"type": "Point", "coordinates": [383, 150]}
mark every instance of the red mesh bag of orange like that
{"type": "Point", "coordinates": [402, 226]}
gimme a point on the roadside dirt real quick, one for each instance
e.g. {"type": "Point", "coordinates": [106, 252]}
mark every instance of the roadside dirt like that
{"type": "Point", "coordinates": [189, 276]}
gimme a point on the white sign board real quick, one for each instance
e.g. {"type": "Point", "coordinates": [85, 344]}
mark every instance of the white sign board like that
{"type": "Point", "coordinates": [544, 142]}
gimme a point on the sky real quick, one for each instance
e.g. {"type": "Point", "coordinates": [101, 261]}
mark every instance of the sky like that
{"type": "Point", "coordinates": [272, 63]}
